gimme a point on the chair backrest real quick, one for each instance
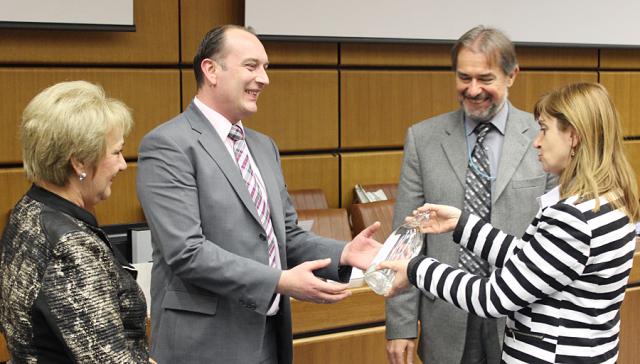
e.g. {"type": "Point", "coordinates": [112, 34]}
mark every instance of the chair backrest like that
{"type": "Point", "coordinates": [309, 199]}
{"type": "Point", "coordinates": [4, 351]}
{"type": "Point", "coordinates": [332, 223]}
{"type": "Point", "coordinates": [365, 214]}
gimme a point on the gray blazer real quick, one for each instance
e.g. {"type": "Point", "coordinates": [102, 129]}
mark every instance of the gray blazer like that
{"type": "Point", "coordinates": [211, 285]}
{"type": "Point", "coordinates": [434, 169]}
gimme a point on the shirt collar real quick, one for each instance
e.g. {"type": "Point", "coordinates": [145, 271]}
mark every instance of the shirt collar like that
{"type": "Point", "coordinates": [550, 198]}
{"type": "Point", "coordinates": [499, 120]}
{"type": "Point", "coordinates": [62, 204]}
{"type": "Point", "coordinates": [221, 124]}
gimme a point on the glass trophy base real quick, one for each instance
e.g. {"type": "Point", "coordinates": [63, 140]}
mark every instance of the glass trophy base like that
{"type": "Point", "coordinates": [379, 280]}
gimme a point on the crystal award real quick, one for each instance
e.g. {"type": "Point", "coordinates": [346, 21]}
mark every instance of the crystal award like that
{"type": "Point", "coordinates": [403, 243]}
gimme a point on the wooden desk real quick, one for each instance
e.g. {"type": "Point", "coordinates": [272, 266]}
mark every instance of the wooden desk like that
{"type": "Point", "coordinates": [334, 333]}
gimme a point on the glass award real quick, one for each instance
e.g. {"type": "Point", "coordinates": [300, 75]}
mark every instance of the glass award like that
{"type": "Point", "coordinates": [403, 243]}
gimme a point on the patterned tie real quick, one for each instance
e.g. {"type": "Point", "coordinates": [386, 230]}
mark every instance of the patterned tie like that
{"type": "Point", "coordinates": [477, 197]}
{"type": "Point", "coordinates": [242, 157]}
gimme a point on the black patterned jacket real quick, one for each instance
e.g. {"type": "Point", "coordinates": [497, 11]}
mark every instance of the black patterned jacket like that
{"type": "Point", "coordinates": [64, 297]}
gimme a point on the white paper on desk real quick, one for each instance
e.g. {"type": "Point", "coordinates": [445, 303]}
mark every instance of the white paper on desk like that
{"type": "Point", "coordinates": [305, 224]}
{"type": "Point", "coordinates": [356, 274]}
{"type": "Point", "coordinates": [144, 281]}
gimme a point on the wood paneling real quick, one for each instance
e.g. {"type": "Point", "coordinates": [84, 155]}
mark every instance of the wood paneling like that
{"type": "Point", "coordinates": [363, 306]}
{"type": "Point", "coordinates": [619, 58]}
{"type": "Point", "coordinates": [152, 95]}
{"type": "Point", "coordinates": [530, 85]}
{"type": "Point", "coordinates": [313, 171]}
{"type": "Point", "coordinates": [14, 184]}
{"type": "Point", "coordinates": [299, 108]}
{"type": "Point", "coordinates": [630, 327]}
{"type": "Point", "coordinates": [197, 17]}
{"type": "Point", "coordinates": [632, 149]}
{"type": "Point", "coordinates": [388, 54]}
{"type": "Point", "coordinates": [557, 57]}
{"type": "Point", "coordinates": [377, 107]}
{"type": "Point", "coordinates": [624, 88]}
{"type": "Point", "coordinates": [122, 207]}
{"type": "Point", "coordinates": [368, 168]}
{"type": "Point", "coordinates": [302, 53]}
{"type": "Point", "coordinates": [356, 346]}
{"type": "Point", "coordinates": [155, 41]}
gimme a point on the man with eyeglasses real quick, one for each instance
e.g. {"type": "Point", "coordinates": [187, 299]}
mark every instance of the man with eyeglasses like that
{"type": "Point", "coordinates": [479, 158]}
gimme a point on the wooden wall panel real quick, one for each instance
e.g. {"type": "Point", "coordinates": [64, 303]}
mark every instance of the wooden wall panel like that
{"type": "Point", "coordinates": [197, 17]}
{"type": "Point", "coordinates": [389, 54]}
{"type": "Point", "coordinates": [14, 184]}
{"type": "Point", "coordinates": [299, 108]}
{"type": "Point", "coordinates": [632, 148]}
{"type": "Point", "coordinates": [356, 346]}
{"type": "Point", "coordinates": [530, 85]}
{"type": "Point", "coordinates": [619, 58]}
{"type": "Point", "coordinates": [155, 41]}
{"type": "Point", "coordinates": [302, 53]}
{"type": "Point", "coordinates": [368, 168]}
{"type": "Point", "coordinates": [153, 96]}
{"type": "Point", "coordinates": [314, 171]}
{"type": "Point", "coordinates": [122, 207]}
{"type": "Point", "coordinates": [557, 57]}
{"type": "Point", "coordinates": [630, 327]}
{"type": "Point", "coordinates": [624, 88]}
{"type": "Point", "coordinates": [377, 107]}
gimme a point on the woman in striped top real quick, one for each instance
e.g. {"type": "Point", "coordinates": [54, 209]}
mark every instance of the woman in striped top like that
{"type": "Point", "coordinates": [560, 285]}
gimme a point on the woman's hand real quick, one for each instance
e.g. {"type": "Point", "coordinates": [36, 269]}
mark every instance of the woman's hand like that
{"type": "Point", "coordinates": [401, 280]}
{"type": "Point", "coordinates": [442, 218]}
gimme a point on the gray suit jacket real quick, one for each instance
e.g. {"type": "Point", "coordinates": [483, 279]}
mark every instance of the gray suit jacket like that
{"type": "Point", "coordinates": [434, 169]}
{"type": "Point", "coordinates": [211, 285]}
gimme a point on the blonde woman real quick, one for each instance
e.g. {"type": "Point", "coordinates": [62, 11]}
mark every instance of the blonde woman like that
{"type": "Point", "coordinates": [64, 296]}
{"type": "Point", "coordinates": [562, 284]}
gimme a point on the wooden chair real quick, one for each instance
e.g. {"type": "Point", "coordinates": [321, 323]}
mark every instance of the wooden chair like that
{"type": "Point", "coordinates": [365, 214]}
{"type": "Point", "coordinates": [309, 199]}
{"type": "Point", "coordinates": [5, 356]}
{"type": "Point", "coordinates": [332, 223]}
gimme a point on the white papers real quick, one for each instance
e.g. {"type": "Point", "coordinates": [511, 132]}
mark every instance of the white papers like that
{"type": "Point", "coordinates": [305, 224]}
{"type": "Point", "coordinates": [141, 250]}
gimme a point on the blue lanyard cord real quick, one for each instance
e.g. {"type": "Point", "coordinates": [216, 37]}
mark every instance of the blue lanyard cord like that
{"type": "Point", "coordinates": [471, 163]}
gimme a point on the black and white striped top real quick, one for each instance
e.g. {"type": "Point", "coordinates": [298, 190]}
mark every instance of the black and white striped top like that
{"type": "Point", "coordinates": [561, 286]}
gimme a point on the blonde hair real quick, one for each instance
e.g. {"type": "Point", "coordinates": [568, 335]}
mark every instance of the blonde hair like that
{"type": "Point", "coordinates": [599, 166]}
{"type": "Point", "coordinates": [68, 119]}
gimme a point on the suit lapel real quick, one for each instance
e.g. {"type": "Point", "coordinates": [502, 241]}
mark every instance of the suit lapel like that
{"type": "Point", "coordinates": [454, 137]}
{"type": "Point", "coordinates": [514, 149]}
{"type": "Point", "coordinates": [215, 148]}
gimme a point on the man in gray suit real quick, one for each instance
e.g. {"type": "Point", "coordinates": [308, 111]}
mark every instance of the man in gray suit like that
{"type": "Point", "coordinates": [436, 160]}
{"type": "Point", "coordinates": [227, 251]}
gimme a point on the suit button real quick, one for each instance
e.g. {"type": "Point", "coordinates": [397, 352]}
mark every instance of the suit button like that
{"type": "Point", "coordinates": [262, 237]}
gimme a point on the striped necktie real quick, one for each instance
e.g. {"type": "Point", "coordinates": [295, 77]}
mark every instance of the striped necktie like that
{"type": "Point", "coordinates": [241, 153]}
{"type": "Point", "coordinates": [477, 197]}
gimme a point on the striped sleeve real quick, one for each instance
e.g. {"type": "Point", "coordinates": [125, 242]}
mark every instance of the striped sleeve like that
{"type": "Point", "coordinates": [484, 240]}
{"type": "Point", "coordinates": [556, 255]}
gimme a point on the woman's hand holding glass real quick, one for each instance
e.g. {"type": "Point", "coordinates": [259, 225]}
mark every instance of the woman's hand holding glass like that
{"type": "Point", "coordinates": [442, 218]}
